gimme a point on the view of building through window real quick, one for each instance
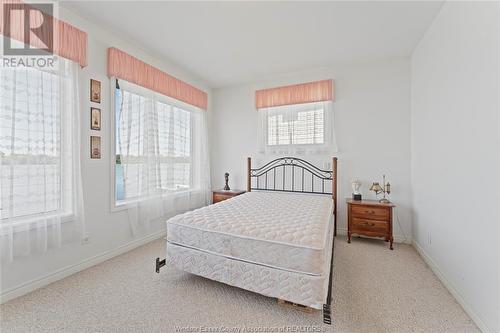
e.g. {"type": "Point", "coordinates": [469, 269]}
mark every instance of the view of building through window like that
{"type": "Point", "coordinates": [302, 127]}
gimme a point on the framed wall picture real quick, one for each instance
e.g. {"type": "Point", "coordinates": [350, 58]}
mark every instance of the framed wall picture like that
{"type": "Point", "coordinates": [95, 119]}
{"type": "Point", "coordinates": [95, 147]}
{"type": "Point", "coordinates": [95, 91]}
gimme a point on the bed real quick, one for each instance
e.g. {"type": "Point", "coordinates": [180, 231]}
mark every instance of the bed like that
{"type": "Point", "coordinates": [275, 240]}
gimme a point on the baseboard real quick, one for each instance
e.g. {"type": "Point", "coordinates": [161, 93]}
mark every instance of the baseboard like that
{"type": "Point", "coordinates": [451, 288]}
{"type": "Point", "coordinates": [75, 268]}
{"type": "Point", "coordinates": [397, 238]}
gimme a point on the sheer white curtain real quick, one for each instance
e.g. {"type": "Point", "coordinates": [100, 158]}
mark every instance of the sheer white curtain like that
{"type": "Point", "coordinates": [297, 129]}
{"type": "Point", "coordinates": [40, 157]}
{"type": "Point", "coordinates": [162, 147]}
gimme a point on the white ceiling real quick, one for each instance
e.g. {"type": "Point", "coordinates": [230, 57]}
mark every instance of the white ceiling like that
{"type": "Point", "coordinates": [234, 42]}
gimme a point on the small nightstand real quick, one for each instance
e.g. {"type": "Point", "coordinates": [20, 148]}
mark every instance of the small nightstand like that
{"type": "Point", "coordinates": [221, 195]}
{"type": "Point", "coordinates": [369, 218]}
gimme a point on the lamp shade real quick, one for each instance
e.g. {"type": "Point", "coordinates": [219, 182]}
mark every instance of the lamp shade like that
{"type": "Point", "coordinates": [376, 187]}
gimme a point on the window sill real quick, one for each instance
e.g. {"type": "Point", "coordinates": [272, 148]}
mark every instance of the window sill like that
{"type": "Point", "coordinates": [301, 149]}
{"type": "Point", "coordinates": [31, 223]}
{"type": "Point", "coordinates": [124, 205]}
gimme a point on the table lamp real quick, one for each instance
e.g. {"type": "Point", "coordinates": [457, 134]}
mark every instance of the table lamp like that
{"type": "Point", "coordinates": [386, 188]}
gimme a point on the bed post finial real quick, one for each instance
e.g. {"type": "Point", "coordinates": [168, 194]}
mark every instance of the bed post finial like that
{"type": "Point", "coordinates": [249, 174]}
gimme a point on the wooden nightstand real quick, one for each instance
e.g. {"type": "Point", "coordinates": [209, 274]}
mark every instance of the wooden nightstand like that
{"type": "Point", "coordinates": [369, 218]}
{"type": "Point", "coordinates": [221, 195]}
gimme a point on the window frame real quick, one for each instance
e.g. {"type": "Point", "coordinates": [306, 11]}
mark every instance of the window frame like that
{"type": "Point", "coordinates": [115, 205]}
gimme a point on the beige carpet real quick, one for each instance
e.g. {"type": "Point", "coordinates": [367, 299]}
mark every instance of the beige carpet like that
{"type": "Point", "coordinates": [375, 290]}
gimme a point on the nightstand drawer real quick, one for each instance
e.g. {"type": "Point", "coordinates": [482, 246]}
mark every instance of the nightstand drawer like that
{"type": "Point", "coordinates": [376, 213]}
{"type": "Point", "coordinates": [221, 197]}
{"type": "Point", "coordinates": [360, 224]}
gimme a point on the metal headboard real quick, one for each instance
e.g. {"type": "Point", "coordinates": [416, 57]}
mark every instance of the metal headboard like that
{"type": "Point", "coordinates": [298, 171]}
{"type": "Point", "coordinates": [291, 165]}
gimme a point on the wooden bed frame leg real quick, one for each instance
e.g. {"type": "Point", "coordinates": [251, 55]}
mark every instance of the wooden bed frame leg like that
{"type": "Point", "coordinates": [296, 306]}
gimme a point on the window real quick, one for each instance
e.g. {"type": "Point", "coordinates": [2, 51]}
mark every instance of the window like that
{"type": "Point", "coordinates": [155, 145]}
{"type": "Point", "coordinates": [297, 128]}
{"type": "Point", "coordinates": [37, 141]}
{"type": "Point", "coordinates": [302, 127]}
{"type": "Point", "coordinates": [174, 133]}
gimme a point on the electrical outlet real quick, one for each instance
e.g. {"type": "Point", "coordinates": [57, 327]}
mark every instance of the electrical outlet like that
{"type": "Point", "coordinates": [429, 238]}
{"type": "Point", "coordinates": [327, 166]}
{"type": "Point", "coordinates": [86, 238]}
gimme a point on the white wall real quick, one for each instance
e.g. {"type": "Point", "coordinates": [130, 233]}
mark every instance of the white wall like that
{"type": "Point", "coordinates": [109, 231]}
{"type": "Point", "coordinates": [372, 117]}
{"type": "Point", "coordinates": [455, 155]}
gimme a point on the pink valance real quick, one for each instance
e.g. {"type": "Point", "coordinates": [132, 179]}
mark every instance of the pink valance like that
{"type": "Point", "coordinates": [124, 66]}
{"type": "Point", "coordinates": [295, 94]}
{"type": "Point", "coordinates": [67, 41]}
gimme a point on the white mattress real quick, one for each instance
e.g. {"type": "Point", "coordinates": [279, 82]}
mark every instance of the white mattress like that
{"type": "Point", "coordinates": [287, 231]}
